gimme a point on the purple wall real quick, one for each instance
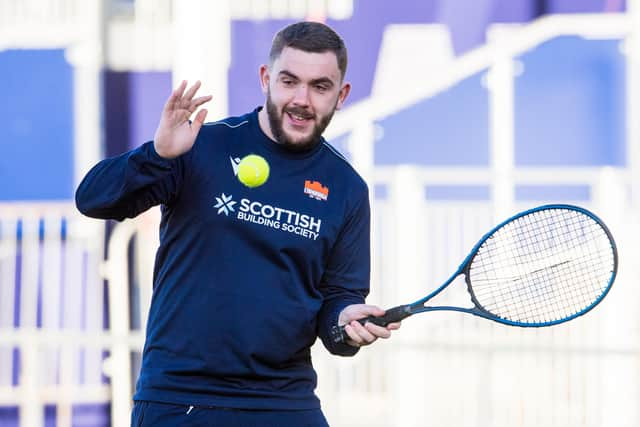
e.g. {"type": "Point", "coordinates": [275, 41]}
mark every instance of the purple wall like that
{"type": "Point", "coordinates": [582, 6]}
{"type": "Point", "coordinates": [133, 103]}
{"type": "Point", "coordinates": [570, 104]}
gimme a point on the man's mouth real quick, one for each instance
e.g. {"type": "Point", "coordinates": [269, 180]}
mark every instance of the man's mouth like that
{"type": "Point", "coordinates": [298, 118]}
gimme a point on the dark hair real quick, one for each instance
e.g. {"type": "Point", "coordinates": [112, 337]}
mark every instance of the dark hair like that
{"type": "Point", "coordinates": [310, 37]}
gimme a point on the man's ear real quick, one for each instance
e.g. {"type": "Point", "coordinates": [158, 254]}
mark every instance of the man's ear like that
{"type": "Point", "coordinates": [264, 78]}
{"type": "Point", "coordinates": [342, 95]}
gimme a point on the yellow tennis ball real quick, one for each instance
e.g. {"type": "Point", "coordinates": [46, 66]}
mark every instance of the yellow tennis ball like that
{"type": "Point", "coordinates": [253, 170]}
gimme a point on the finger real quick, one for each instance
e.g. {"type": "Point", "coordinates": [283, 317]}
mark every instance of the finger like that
{"type": "Point", "coordinates": [175, 96]}
{"type": "Point", "coordinates": [377, 331]}
{"type": "Point", "coordinates": [198, 121]}
{"type": "Point", "coordinates": [198, 102]}
{"type": "Point", "coordinates": [393, 326]}
{"type": "Point", "coordinates": [354, 337]}
{"type": "Point", "coordinates": [192, 91]}
{"type": "Point", "coordinates": [363, 332]}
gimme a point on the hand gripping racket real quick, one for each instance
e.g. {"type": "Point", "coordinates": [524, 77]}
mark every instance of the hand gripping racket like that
{"type": "Point", "coordinates": [541, 267]}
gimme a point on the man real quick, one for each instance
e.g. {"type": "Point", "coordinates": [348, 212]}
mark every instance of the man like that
{"type": "Point", "coordinates": [247, 278]}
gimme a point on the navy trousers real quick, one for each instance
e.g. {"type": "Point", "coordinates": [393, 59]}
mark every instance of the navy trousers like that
{"type": "Point", "coordinates": [155, 414]}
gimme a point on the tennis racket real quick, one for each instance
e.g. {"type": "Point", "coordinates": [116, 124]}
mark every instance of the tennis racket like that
{"type": "Point", "coordinates": [541, 267]}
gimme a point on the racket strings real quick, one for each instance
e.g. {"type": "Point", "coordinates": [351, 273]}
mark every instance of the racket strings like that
{"type": "Point", "coordinates": [533, 300]}
{"type": "Point", "coordinates": [542, 267]}
{"type": "Point", "coordinates": [531, 305]}
{"type": "Point", "coordinates": [581, 264]}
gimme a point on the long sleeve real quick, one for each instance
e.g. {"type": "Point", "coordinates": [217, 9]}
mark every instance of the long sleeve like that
{"type": "Point", "coordinates": [127, 185]}
{"type": "Point", "coordinates": [346, 279]}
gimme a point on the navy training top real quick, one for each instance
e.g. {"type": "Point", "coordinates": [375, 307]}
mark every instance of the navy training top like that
{"type": "Point", "coordinates": [245, 279]}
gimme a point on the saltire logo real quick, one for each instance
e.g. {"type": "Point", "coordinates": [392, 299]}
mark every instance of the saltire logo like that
{"type": "Point", "coordinates": [224, 204]}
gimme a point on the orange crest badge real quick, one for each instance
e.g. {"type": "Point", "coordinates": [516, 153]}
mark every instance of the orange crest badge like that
{"type": "Point", "coordinates": [315, 190]}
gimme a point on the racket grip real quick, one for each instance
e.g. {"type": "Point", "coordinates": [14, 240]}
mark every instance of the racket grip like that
{"type": "Point", "coordinates": [395, 314]}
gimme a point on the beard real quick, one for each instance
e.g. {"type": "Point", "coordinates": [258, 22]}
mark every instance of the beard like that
{"type": "Point", "coordinates": [277, 129]}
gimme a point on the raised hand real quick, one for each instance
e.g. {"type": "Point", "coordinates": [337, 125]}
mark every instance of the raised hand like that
{"type": "Point", "coordinates": [175, 134]}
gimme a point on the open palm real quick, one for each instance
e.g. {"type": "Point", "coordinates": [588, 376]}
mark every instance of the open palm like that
{"type": "Point", "coordinates": [175, 134]}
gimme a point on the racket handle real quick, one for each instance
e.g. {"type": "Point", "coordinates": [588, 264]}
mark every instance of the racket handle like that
{"type": "Point", "coordinates": [392, 315]}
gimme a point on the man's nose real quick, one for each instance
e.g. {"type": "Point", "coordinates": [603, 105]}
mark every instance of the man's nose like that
{"type": "Point", "coordinates": [301, 96]}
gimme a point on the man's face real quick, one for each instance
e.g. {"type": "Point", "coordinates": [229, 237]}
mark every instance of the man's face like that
{"type": "Point", "coordinates": [303, 90]}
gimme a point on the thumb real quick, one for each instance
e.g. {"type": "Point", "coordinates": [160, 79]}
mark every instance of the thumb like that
{"type": "Point", "coordinates": [365, 310]}
{"type": "Point", "coordinates": [358, 311]}
{"type": "Point", "coordinates": [198, 121]}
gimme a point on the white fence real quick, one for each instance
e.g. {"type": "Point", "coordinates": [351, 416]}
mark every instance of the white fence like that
{"type": "Point", "coordinates": [51, 307]}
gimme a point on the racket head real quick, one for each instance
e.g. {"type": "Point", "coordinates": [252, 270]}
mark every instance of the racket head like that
{"type": "Point", "coordinates": [542, 267]}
